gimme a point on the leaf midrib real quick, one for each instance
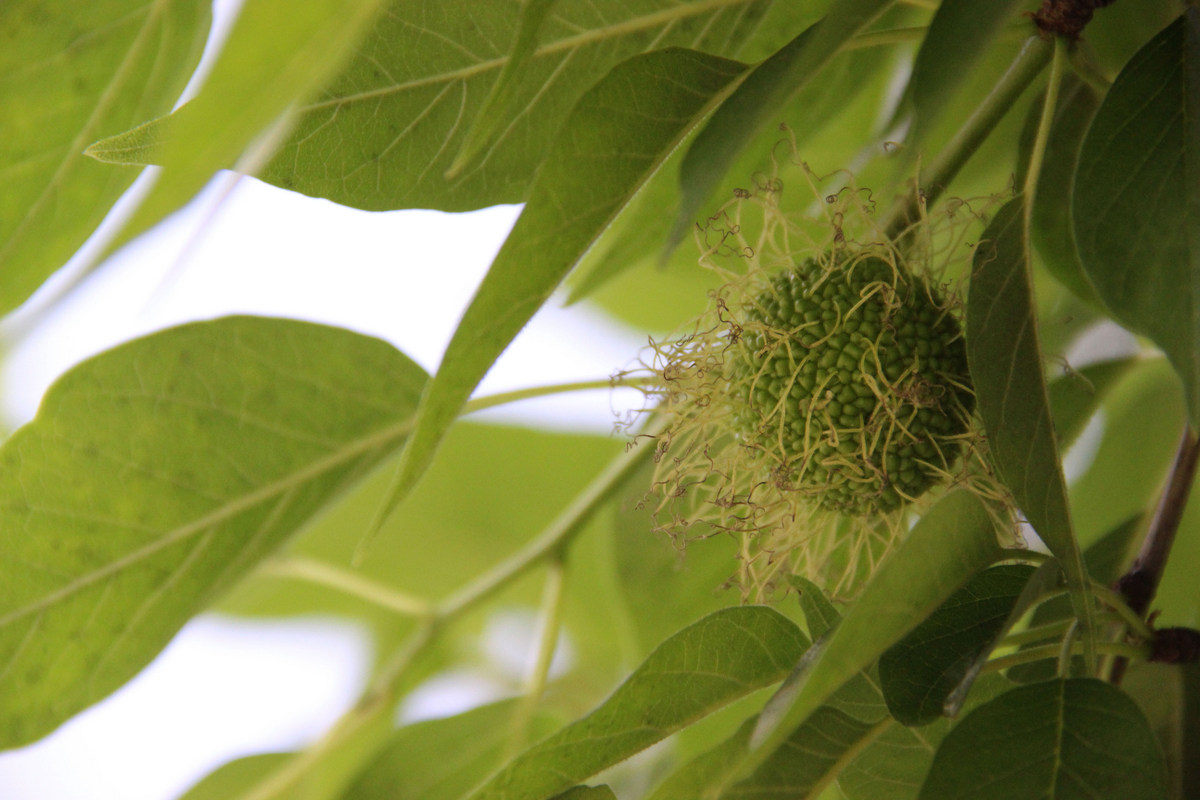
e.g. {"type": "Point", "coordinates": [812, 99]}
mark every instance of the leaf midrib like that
{"type": "Point", "coordinates": [232, 508]}
{"type": "Point", "coordinates": [570, 43]}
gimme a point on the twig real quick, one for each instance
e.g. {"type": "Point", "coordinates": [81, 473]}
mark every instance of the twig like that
{"type": "Point", "coordinates": [1139, 585]}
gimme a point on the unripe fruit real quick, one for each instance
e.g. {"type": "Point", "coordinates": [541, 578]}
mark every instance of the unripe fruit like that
{"type": "Point", "coordinates": [852, 379]}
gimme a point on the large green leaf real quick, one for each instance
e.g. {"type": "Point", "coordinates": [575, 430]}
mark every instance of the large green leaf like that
{"type": "Point", "coordinates": [1059, 740]}
{"type": "Point", "coordinates": [1136, 200]}
{"type": "Point", "coordinates": [69, 74]}
{"type": "Point", "coordinates": [613, 142]}
{"type": "Point", "coordinates": [958, 36]}
{"type": "Point", "coordinates": [952, 542]}
{"type": "Point", "coordinates": [278, 54]}
{"type": "Point", "coordinates": [755, 102]}
{"type": "Point", "coordinates": [1006, 367]}
{"type": "Point", "coordinates": [157, 474]}
{"type": "Point", "coordinates": [702, 668]}
{"type": "Point", "coordinates": [923, 669]}
{"type": "Point", "coordinates": [383, 134]}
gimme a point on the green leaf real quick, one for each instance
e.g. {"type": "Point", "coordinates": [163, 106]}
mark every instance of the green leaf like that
{"type": "Point", "coordinates": [613, 142]}
{"type": "Point", "coordinates": [702, 668]}
{"type": "Point", "coordinates": [756, 102]}
{"type": "Point", "coordinates": [441, 759]}
{"type": "Point", "coordinates": [236, 777]}
{"type": "Point", "coordinates": [1052, 230]}
{"type": "Point", "coordinates": [1136, 200]}
{"type": "Point", "coordinates": [923, 669]}
{"type": "Point", "coordinates": [959, 34]}
{"type": "Point", "coordinates": [647, 567]}
{"type": "Point", "coordinates": [850, 738]}
{"type": "Point", "coordinates": [278, 54]}
{"type": "Point", "coordinates": [157, 474]}
{"type": "Point", "coordinates": [1006, 367]}
{"type": "Point", "coordinates": [819, 613]}
{"type": "Point", "coordinates": [1059, 740]}
{"type": "Point", "coordinates": [73, 72]}
{"type": "Point", "coordinates": [952, 542]}
{"type": "Point", "coordinates": [850, 84]}
{"type": "Point", "coordinates": [498, 105]}
{"type": "Point", "coordinates": [384, 132]}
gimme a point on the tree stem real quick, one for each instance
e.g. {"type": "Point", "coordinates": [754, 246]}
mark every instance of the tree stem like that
{"type": "Point", "coordinates": [1139, 585]}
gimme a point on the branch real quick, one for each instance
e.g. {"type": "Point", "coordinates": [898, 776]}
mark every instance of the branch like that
{"type": "Point", "coordinates": [1140, 583]}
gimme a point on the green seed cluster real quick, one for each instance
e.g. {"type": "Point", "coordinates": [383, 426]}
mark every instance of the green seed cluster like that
{"type": "Point", "coordinates": [854, 379]}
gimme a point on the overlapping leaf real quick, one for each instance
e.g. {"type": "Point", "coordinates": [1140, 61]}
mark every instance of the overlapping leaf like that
{"type": "Point", "coordinates": [69, 74]}
{"type": "Point", "coordinates": [702, 668]}
{"type": "Point", "coordinates": [158, 473]}
{"type": "Point", "coordinates": [923, 669]}
{"type": "Point", "coordinates": [1136, 198]}
{"type": "Point", "coordinates": [383, 134]}
{"type": "Point", "coordinates": [615, 139]}
{"type": "Point", "coordinates": [751, 107]}
{"type": "Point", "coordinates": [278, 54]}
{"type": "Point", "coordinates": [952, 542]}
{"type": "Point", "coordinates": [1006, 367]}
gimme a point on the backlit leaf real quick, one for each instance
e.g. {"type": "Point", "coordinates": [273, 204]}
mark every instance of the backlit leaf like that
{"type": "Point", "coordinates": [157, 474]}
{"type": "Point", "coordinates": [278, 54]}
{"type": "Point", "coordinates": [69, 74]}
{"type": "Point", "coordinates": [440, 759]}
{"type": "Point", "coordinates": [384, 133]}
